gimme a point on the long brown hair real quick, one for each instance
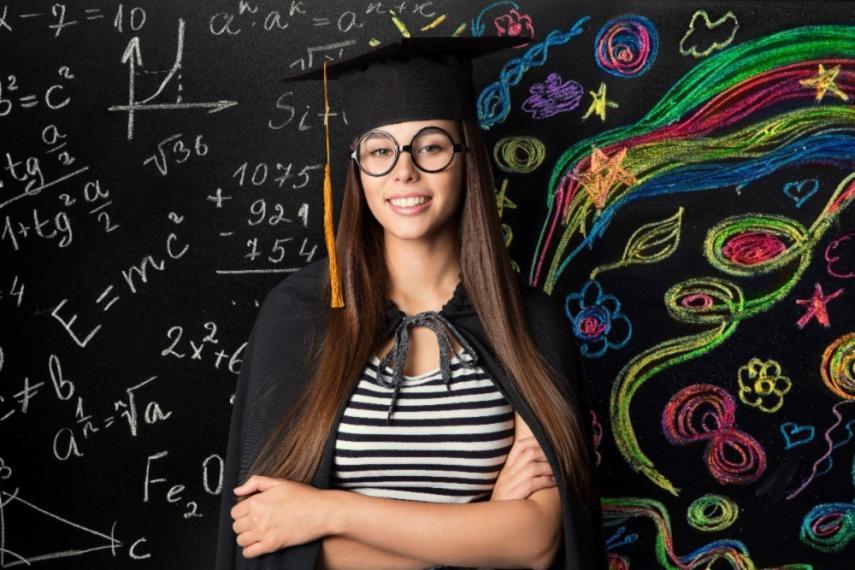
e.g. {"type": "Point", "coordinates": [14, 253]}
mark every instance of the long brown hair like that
{"type": "Point", "coordinates": [293, 449]}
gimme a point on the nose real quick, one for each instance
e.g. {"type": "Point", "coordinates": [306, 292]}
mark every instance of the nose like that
{"type": "Point", "coordinates": [405, 168]}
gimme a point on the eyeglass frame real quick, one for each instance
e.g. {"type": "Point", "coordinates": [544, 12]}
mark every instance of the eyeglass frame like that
{"type": "Point", "coordinates": [456, 147]}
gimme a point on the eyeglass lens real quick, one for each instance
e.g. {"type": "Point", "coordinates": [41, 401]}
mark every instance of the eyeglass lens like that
{"type": "Point", "coordinates": [432, 150]}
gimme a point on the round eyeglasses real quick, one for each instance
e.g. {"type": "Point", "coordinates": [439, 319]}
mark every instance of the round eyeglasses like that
{"type": "Point", "coordinates": [432, 150]}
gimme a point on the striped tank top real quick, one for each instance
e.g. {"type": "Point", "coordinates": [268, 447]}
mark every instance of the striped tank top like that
{"type": "Point", "coordinates": [442, 445]}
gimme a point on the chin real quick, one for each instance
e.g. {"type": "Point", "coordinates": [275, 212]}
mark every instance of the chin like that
{"type": "Point", "coordinates": [405, 235]}
{"type": "Point", "coordinates": [419, 231]}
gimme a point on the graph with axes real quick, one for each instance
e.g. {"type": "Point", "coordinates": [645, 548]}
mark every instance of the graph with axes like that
{"type": "Point", "coordinates": [132, 57]}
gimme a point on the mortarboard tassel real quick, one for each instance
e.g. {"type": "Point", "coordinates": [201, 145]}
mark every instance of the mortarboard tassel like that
{"type": "Point", "coordinates": [337, 300]}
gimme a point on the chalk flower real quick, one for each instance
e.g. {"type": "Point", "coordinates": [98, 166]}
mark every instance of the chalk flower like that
{"type": "Point", "coordinates": [597, 320]}
{"type": "Point", "coordinates": [762, 385]}
{"type": "Point", "coordinates": [514, 24]}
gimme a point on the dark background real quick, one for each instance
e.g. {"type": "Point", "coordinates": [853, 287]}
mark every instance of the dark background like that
{"type": "Point", "coordinates": [128, 285]}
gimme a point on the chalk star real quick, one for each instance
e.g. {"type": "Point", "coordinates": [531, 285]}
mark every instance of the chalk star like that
{"type": "Point", "coordinates": [824, 81]}
{"type": "Point", "coordinates": [502, 200]}
{"type": "Point", "coordinates": [599, 104]}
{"type": "Point", "coordinates": [604, 173]}
{"type": "Point", "coordinates": [816, 307]}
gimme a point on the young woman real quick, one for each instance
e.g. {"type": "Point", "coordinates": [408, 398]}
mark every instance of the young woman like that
{"type": "Point", "coordinates": [349, 447]}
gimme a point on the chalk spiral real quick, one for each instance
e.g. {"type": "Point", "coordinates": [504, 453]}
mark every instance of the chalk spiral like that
{"type": "Point", "coordinates": [712, 513]}
{"type": "Point", "coordinates": [705, 412]}
{"type": "Point", "coordinates": [626, 46]}
{"type": "Point", "coordinates": [838, 366]}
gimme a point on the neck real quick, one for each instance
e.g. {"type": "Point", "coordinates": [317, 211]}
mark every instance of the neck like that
{"type": "Point", "coordinates": [422, 273]}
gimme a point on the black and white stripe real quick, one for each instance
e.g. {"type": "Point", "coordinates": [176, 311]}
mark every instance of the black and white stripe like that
{"type": "Point", "coordinates": [442, 445]}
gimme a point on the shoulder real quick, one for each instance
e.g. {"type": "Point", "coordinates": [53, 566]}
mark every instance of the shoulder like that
{"type": "Point", "coordinates": [297, 295]}
{"type": "Point", "coordinates": [300, 289]}
{"type": "Point", "coordinates": [285, 318]}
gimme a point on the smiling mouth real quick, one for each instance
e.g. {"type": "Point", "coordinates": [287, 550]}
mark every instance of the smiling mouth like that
{"type": "Point", "coordinates": [409, 202]}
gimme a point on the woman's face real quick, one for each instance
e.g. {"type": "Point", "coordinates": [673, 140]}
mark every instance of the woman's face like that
{"type": "Point", "coordinates": [441, 191]}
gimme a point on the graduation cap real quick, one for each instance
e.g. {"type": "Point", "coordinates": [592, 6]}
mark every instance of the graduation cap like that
{"type": "Point", "coordinates": [410, 79]}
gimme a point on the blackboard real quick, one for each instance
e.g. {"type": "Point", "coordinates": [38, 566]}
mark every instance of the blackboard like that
{"type": "Point", "coordinates": [695, 158]}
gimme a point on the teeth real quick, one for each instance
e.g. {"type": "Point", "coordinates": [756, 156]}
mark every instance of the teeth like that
{"type": "Point", "coordinates": [408, 202]}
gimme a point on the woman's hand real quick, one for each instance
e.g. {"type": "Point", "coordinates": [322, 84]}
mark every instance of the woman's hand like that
{"type": "Point", "coordinates": [279, 514]}
{"type": "Point", "coordinates": [526, 470]}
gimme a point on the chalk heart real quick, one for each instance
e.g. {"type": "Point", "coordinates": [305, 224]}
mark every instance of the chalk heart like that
{"type": "Point", "coordinates": [800, 191]}
{"type": "Point", "coordinates": [794, 434]}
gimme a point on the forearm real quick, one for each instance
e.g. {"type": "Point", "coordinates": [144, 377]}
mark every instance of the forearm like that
{"type": "Point", "coordinates": [341, 553]}
{"type": "Point", "coordinates": [496, 534]}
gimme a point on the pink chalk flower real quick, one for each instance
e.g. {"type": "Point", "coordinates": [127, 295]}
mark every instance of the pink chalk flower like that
{"type": "Point", "coordinates": [514, 24]}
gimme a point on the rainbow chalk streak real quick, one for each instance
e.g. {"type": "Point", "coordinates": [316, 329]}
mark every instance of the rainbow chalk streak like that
{"type": "Point", "coordinates": [703, 135]}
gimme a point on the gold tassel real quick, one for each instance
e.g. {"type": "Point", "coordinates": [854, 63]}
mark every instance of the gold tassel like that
{"type": "Point", "coordinates": [337, 301]}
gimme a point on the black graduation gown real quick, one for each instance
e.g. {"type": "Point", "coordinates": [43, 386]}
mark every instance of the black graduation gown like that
{"type": "Point", "coordinates": [274, 346]}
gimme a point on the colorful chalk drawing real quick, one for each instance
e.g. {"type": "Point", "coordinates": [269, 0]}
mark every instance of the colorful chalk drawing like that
{"type": "Point", "coordinates": [712, 513]}
{"type": "Point", "coordinates": [719, 304]}
{"type": "Point", "coordinates": [838, 366]}
{"type": "Point", "coordinates": [650, 243]}
{"type": "Point", "coordinates": [830, 527]}
{"type": "Point", "coordinates": [731, 187]}
{"type": "Point", "coordinates": [519, 154]}
{"type": "Point", "coordinates": [514, 24]}
{"type": "Point", "coordinates": [689, 48]}
{"type": "Point", "coordinates": [617, 510]}
{"type": "Point", "coordinates": [502, 202]}
{"type": "Point", "coordinates": [824, 83]}
{"type": "Point", "coordinates": [795, 434]}
{"type": "Point", "coordinates": [600, 103]}
{"type": "Point", "coordinates": [762, 385]}
{"type": "Point", "coordinates": [626, 46]}
{"type": "Point", "coordinates": [597, 432]}
{"type": "Point", "coordinates": [702, 135]}
{"type": "Point", "coordinates": [478, 27]}
{"type": "Point", "coordinates": [494, 100]}
{"type": "Point", "coordinates": [620, 538]}
{"type": "Point", "coordinates": [826, 461]}
{"type": "Point", "coordinates": [597, 320]}
{"type": "Point", "coordinates": [603, 173]}
{"type": "Point", "coordinates": [816, 307]}
{"type": "Point", "coordinates": [840, 262]}
{"type": "Point", "coordinates": [800, 191]}
{"type": "Point", "coordinates": [704, 412]}
{"type": "Point", "coordinates": [553, 96]}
